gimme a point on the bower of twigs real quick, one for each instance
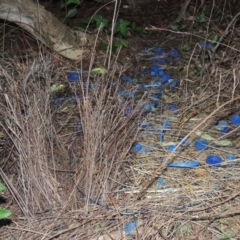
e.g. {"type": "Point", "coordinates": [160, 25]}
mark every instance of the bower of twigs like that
{"type": "Point", "coordinates": [69, 167]}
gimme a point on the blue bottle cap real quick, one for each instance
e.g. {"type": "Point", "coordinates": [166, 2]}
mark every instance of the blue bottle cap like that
{"type": "Point", "coordinates": [171, 148]}
{"type": "Point", "coordinates": [136, 147]}
{"type": "Point", "coordinates": [201, 144]}
{"type": "Point", "coordinates": [235, 119]}
{"type": "Point", "coordinates": [73, 76]}
{"type": "Point", "coordinates": [213, 160]}
{"type": "Point", "coordinates": [230, 157]}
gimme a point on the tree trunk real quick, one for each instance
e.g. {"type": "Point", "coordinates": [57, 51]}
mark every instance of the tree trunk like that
{"type": "Point", "coordinates": [47, 28]}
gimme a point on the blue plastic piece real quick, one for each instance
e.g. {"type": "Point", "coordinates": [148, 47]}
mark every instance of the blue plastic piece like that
{"type": "Point", "coordinates": [159, 60]}
{"type": "Point", "coordinates": [230, 157]}
{"type": "Point", "coordinates": [73, 76]}
{"type": "Point", "coordinates": [127, 79]}
{"type": "Point", "coordinates": [173, 107]}
{"type": "Point", "coordinates": [128, 227]}
{"type": "Point", "coordinates": [184, 164]}
{"type": "Point", "coordinates": [201, 144]}
{"type": "Point", "coordinates": [145, 124]}
{"type": "Point", "coordinates": [213, 160]}
{"type": "Point", "coordinates": [171, 148]}
{"type": "Point", "coordinates": [162, 129]}
{"type": "Point", "coordinates": [174, 54]}
{"type": "Point", "coordinates": [205, 45]}
{"type": "Point", "coordinates": [224, 130]}
{"type": "Point", "coordinates": [138, 148]}
{"type": "Point", "coordinates": [184, 143]}
{"type": "Point", "coordinates": [160, 182]}
{"type": "Point", "coordinates": [235, 119]}
{"type": "Point", "coordinates": [126, 94]}
{"type": "Point", "coordinates": [165, 78]}
{"type": "Point", "coordinates": [57, 100]}
{"type": "Point", "coordinates": [173, 83]}
{"type": "Point", "coordinates": [128, 111]}
{"type": "Point", "coordinates": [159, 51]}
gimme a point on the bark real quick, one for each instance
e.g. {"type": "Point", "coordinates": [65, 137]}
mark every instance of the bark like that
{"type": "Point", "coordinates": [47, 28]}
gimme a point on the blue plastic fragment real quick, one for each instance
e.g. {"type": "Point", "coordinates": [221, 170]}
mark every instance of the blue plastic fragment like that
{"type": "Point", "coordinates": [159, 51]}
{"type": "Point", "coordinates": [128, 111]}
{"type": "Point", "coordinates": [73, 76]}
{"type": "Point", "coordinates": [160, 182]}
{"type": "Point", "coordinates": [162, 129]}
{"type": "Point", "coordinates": [57, 100]}
{"type": "Point", "coordinates": [201, 144]}
{"type": "Point", "coordinates": [205, 45]}
{"type": "Point", "coordinates": [145, 124]}
{"type": "Point", "coordinates": [127, 79]}
{"type": "Point", "coordinates": [159, 60]}
{"type": "Point", "coordinates": [126, 94]}
{"type": "Point", "coordinates": [224, 130]}
{"type": "Point", "coordinates": [213, 160]}
{"type": "Point", "coordinates": [165, 78]}
{"type": "Point", "coordinates": [184, 164]}
{"type": "Point", "coordinates": [184, 142]}
{"type": "Point", "coordinates": [173, 107]}
{"type": "Point", "coordinates": [128, 227]}
{"type": "Point", "coordinates": [174, 54]}
{"type": "Point", "coordinates": [235, 119]}
{"type": "Point", "coordinates": [171, 148]}
{"type": "Point", "coordinates": [230, 157]}
{"type": "Point", "coordinates": [139, 149]}
{"type": "Point", "coordinates": [172, 83]}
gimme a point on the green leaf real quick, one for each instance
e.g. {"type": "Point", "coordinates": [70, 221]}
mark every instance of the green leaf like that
{"type": "Point", "coordinates": [202, 17]}
{"type": "Point", "coordinates": [175, 28]}
{"type": "Point", "coordinates": [87, 20]}
{"type": "Point", "coordinates": [186, 47]}
{"type": "Point", "coordinates": [122, 27]}
{"type": "Point", "coordinates": [2, 187]}
{"type": "Point", "coordinates": [101, 22]}
{"type": "Point", "coordinates": [120, 43]}
{"type": "Point", "coordinates": [215, 38]}
{"type": "Point", "coordinates": [140, 29]}
{"type": "Point", "coordinates": [72, 13]}
{"type": "Point", "coordinates": [4, 213]}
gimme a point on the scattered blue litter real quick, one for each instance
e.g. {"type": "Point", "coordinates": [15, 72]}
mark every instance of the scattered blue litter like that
{"type": "Point", "coordinates": [57, 100]}
{"type": "Point", "coordinates": [174, 54]}
{"type": "Point", "coordinates": [205, 45]}
{"type": "Point", "coordinates": [159, 51]}
{"type": "Point", "coordinates": [183, 142]}
{"type": "Point", "coordinates": [213, 160]}
{"type": "Point", "coordinates": [145, 124]}
{"type": "Point", "coordinates": [159, 60]}
{"type": "Point", "coordinates": [128, 111]}
{"type": "Point", "coordinates": [225, 130]}
{"type": "Point", "coordinates": [127, 79]}
{"type": "Point", "coordinates": [172, 83]}
{"type": "Point", "coordinates": [184, 164]}
{"type": "Point", "coordinates": [139, 149]}
{"type": "Point", "coordinates": [230, 157]}
{"type": "Point", "coordinates": [173, 107]}
{"type": "Point", "coordinates": [126, 94]}
{"type": "Point", "coordinates": [162, 129]}
{"type": "Point", "coordinates": [171, 148]}
{"type": "Point", "coordinates": [73, 76]}
{"type": "Point", "coordinates": [235, 119]}
{"type": "Point", "coordinates": [201, 144]}
{"type": "Point", "coordinates": [160, 182]}
{"type": "Point", "coordinates": [128, 227]}
{"type": "Point", "coordinates": [165, 78]}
